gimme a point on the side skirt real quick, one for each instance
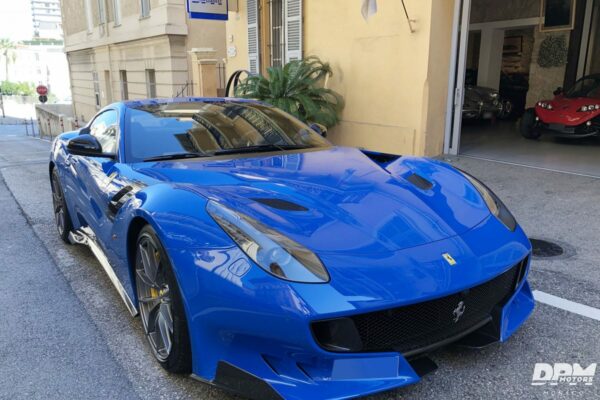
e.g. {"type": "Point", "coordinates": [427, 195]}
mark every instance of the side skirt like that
{"type": "Point", "coordinates": [86, 237]}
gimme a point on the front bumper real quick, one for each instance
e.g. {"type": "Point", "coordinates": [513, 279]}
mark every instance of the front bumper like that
{"type": "Point", "coordinates": [262, 370]}
{"type": "Point", "coordinates": [567, 131]}
{"type": "Point", "coordinates": [481, 112]}
{"type": "Point", "coordinates": [251, 333]}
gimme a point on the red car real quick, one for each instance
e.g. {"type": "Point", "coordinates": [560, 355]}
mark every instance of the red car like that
{"type": "Point", "coordinates": [571, 114]}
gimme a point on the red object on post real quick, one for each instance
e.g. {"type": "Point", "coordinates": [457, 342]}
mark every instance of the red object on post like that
{"type": "Point", "coordinates": [42, 90]}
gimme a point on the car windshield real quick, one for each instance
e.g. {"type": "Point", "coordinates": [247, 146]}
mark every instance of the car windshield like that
{"type": "Point", "coordinates": [159, 131]}
{"type": "Point", "coordinates": [585, 87]}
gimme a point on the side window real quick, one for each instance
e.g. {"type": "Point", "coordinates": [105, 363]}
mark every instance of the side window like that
{"type": "Point", "coordinates": [105, 128]}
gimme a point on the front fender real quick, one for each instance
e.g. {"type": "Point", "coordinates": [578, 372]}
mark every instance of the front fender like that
{"type": "Point", "coordinates": [213, 273]}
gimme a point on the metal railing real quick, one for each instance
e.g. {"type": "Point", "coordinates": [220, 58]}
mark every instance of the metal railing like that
{"type": "Point", "coordinates": [187, 89]}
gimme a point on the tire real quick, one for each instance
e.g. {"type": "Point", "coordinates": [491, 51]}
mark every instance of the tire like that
{"type": "Point", "coordinates": [160, 304]}
{"type": "Point", "coordinates": [527, 125]}
{"type": "Point", "coordinates": [64, 225]}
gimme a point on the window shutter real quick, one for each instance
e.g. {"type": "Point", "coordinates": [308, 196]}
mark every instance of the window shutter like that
{"type": "Point", "coordinates": [293, 30]}
{"type": "Point", "coordinates": [253, 38]}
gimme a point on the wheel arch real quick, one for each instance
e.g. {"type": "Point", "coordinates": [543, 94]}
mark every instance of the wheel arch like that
{"type": "Point", "coordinates": [135, 226]}
{"type": "Point", "coordinates": [51, 167]}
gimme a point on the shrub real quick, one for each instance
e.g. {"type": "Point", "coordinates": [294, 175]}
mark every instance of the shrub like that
{"type": "Point", "coordinates": [296, 88]}
{"type": "Point", "coordinates": [17, 88]}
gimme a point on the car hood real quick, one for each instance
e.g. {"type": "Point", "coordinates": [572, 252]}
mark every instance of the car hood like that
{"type": "Point", "coordinates": [565, 111]}
{"type": "Point", "coordinates": [336, 200]}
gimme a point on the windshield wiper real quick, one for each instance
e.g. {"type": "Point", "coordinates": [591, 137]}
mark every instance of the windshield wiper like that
{"type": "Point", "coordinates": [260, 149]}
{"type": "Point", "coordinates": [174, 156]}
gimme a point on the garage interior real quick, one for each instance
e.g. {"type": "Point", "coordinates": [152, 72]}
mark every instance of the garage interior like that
{"type": "Point", "coordinates": [503, 50]}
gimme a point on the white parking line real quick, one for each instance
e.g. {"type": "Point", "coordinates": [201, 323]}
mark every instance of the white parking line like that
{"type": "Point", "coordinates": [567, 305]}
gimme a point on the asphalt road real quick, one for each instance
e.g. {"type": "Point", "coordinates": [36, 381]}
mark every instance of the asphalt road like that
{"type": "Point", "coordinates": [65, 333]}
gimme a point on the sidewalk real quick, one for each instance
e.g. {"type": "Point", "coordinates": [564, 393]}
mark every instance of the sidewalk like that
{"type": "Point", "coordinates": [49, 345]}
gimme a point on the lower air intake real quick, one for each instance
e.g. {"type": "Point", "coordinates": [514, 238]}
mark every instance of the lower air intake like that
{"type": "Point", "coordinates": [418, 327]}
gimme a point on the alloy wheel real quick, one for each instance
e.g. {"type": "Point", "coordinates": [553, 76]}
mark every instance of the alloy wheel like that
{"type": "Point", "coordinates": [59, 205]}
{"type": "Point", "coordinates": [154, 298]}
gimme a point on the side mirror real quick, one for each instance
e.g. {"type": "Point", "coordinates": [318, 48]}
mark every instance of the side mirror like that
{"type": "Point", "coordinates": [86, 145]}
{"type": "Point", "coordinates": [319, 128]}
{"type": "Point", "coordinates": [558, 91]}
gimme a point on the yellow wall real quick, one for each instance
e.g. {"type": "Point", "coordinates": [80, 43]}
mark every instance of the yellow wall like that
{"type": "Point", "coordinates": [394, 82]}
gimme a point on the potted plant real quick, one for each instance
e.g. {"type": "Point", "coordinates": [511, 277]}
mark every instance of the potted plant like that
{"type": "Point", "coordinates": [296, 88]}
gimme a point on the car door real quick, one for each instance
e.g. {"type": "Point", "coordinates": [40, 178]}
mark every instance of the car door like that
{"type": "Point", "coordinates": [99, 176]}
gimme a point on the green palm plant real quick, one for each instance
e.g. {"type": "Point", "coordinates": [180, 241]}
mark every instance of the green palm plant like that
{"type": "Point", "coordinates": [296, 88]}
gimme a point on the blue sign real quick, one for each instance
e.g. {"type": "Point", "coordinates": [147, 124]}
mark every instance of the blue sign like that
{"type": "Point", "coordinates": [207, 9]}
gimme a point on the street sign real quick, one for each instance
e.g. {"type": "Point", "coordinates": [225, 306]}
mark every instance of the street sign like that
{"type": "Point", "coordinates": [41, 90]}
{"type": "Point", "coordinates": [43, 98]}
{"type": "Point", "coordinates": [207, 9]}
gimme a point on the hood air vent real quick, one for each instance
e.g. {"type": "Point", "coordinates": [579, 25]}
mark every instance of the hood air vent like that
{"type": "Point", "coordinates": [420, 182]}
{"type": "Point", "coordinates": [280, 204]}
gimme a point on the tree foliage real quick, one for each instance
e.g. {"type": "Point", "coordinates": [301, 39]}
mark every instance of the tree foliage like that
{"type": "Point", "coordinates": [297, 88]}
{"type": "Point", "coordinates": [17, 88]}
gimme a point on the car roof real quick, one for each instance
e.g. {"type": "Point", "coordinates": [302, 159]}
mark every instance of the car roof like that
{"type": "Point", "coordinates": [176, 100]}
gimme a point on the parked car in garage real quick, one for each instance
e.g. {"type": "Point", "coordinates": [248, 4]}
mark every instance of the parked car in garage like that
{"type": "Point", "coordinates": [571, 114]}
{"type": "Point", "coordinates": [483, 103]}
{"type": "Point", "coordinates": [265, 260]}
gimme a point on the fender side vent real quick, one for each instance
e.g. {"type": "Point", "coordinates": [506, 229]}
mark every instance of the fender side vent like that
{"type": "Point", "coordinates": [420, 182]}
{"type": "Point", "coordinates": [280, 204]}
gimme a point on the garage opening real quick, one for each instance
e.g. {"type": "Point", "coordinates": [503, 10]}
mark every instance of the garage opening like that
{"type": "Point", "coordinates": [514, 55]}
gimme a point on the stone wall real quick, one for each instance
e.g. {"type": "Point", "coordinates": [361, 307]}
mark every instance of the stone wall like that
{"type": "Point", "coordinates": [54, 119]}
{"type": "Point", "coordinates": [543, 81]}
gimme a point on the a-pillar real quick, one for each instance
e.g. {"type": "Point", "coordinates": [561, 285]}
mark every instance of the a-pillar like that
{"type": "Point", "coordinates": [204, 65]}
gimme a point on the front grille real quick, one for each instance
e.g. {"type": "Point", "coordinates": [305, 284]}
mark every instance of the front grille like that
{"type": "Point", "coordinates": [413, 328]}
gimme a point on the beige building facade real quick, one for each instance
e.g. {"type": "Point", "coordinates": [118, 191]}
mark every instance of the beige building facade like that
{"type": "Point", "coordinates": [394, 81]}
{"type": "Point", "coordinates": [402, 72]}
{"type": "Point", "coordinates": [132, 49]}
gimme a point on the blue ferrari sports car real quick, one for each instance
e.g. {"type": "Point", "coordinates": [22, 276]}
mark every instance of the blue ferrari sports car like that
{"type": "Point", "coordinates": [265, 260]}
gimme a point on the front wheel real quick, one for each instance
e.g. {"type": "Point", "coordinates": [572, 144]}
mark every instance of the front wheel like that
{"type": "Point", "coordinates": [62, 218]}
{"type": "Point", "coordinates": [160, 304]}
{"type": "Point", "coordinates": [527, 125]}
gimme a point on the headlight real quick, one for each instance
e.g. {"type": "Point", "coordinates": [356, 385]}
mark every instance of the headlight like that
{"type": "Point", "coordinates": [494, 203]}
{"type": "Point", "coordinates": [590, 107]}
{"type": "Point", "coordinates": [273, 252]}
{"type": "Point", "coordinates": [544, 105]}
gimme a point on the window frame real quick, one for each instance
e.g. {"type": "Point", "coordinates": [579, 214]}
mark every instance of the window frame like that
{"type": "Point", "coordinates": [145, 8]}
{"type": "Point", "coordinates": [150, 83]}
{"type": "Point", "coordinates": [102, 17]}
{"type": "Point", "coordinates": [116, 12]}
{"type": "Point", "coordinates": [96, 84]}
{"type": "Point", "coordinates": [276, 30]}
{"type": "Point", "coordinates": [123, 84]}
{"type": "Point", "coordinates": [89, 17]}
{"type": "Point", "coordinates": [114, 154]}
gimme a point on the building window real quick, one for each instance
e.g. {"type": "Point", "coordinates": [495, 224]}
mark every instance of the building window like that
{"type": "Point", "coordinates": [101, 12]}
{"type": "Point", "coordinates": [151, 83]}
{"type": "Point", "coordinates": [145, 8]}
{"type": "Point", "coordinates": [88, 15]}
{"type": "Point", "coordinates": [117, 12]}
{"type": "Point", "coordinates": [124, 89]}
{"type": "Point", "coordinates": [277, 45]}
{"type": "Point", "coordinates": [108, 86]}
{"type": "Point", "coordinates": [274, 33]}
{"type": "Point", "coordinates": [96, 88]}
